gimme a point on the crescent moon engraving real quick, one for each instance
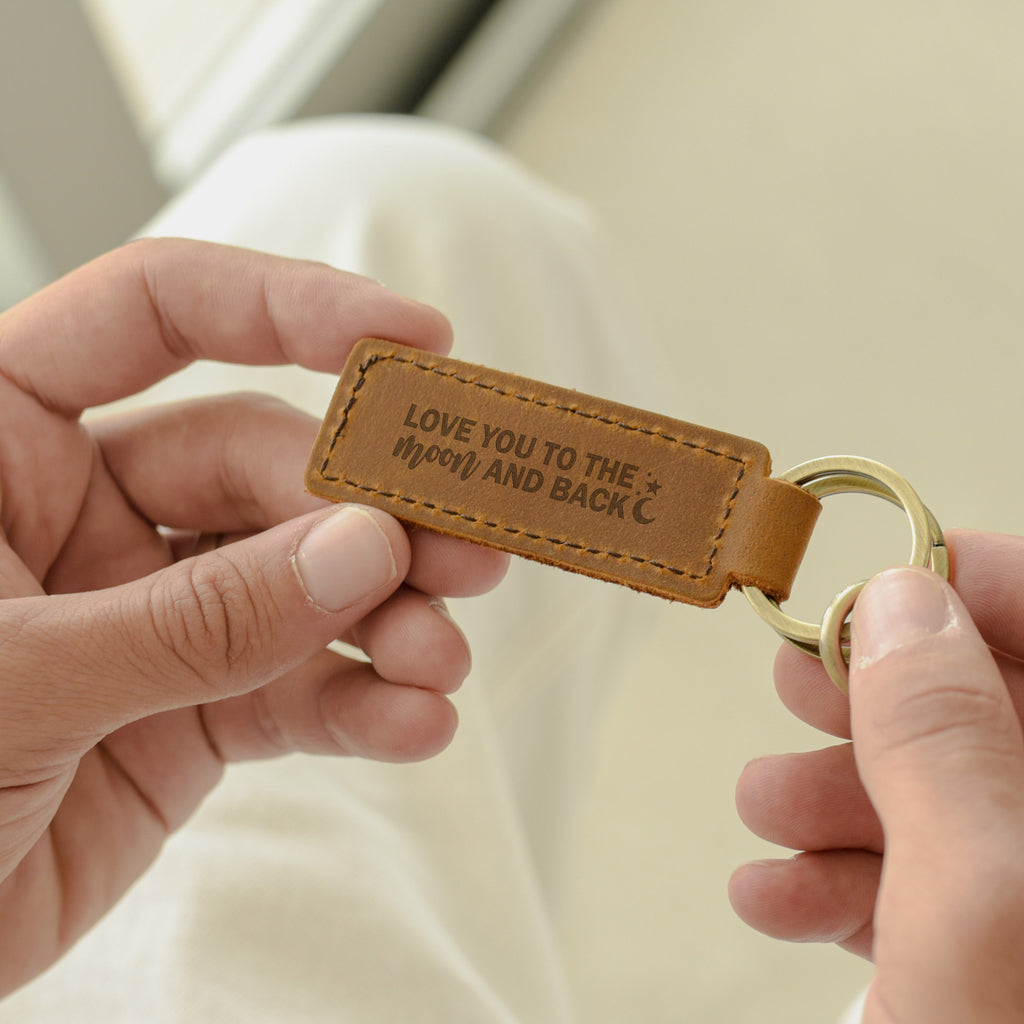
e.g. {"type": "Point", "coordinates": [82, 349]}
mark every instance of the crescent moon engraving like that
{"type": "Point", "coordinates": [638, 514]}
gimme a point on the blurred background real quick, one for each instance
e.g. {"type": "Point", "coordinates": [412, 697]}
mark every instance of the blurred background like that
{"type": "Point", "coordinates": [817, 214]}
{"type": "Point", "coordinates": [111, 106]}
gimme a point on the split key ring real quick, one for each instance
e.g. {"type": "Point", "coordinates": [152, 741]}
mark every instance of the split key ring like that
{"type": "Point", "coordinates": [845, 474]}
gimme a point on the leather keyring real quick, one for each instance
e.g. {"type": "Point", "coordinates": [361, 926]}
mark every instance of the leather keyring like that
{"type": "Point", "coordinates": [582, 483]}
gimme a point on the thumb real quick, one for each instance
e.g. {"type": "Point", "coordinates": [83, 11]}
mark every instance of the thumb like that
{"type": "Point", "coordinates": [935, 732]}
{"type": "Point", "coordinates": [206, 628]}
{"type": "Point", "coordinates": [938, 746]}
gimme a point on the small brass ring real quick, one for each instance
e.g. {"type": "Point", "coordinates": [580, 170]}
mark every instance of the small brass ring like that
{"type": "Point", "coordinates": [834, 655]}
{"type": "Point", "coordinates": [844, 474]}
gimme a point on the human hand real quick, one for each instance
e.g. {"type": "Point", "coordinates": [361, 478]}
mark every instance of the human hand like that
{"type": "Point", "coordinates": [130, 672]}
{"type": "Point", "coordinates": [914, 834]}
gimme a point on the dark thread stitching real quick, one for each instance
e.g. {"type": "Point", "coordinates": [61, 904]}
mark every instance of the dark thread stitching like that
{"type": "Point", "coordinates": [558, 542]}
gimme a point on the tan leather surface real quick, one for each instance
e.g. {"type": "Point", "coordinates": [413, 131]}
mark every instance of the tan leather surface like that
{"type": "Point", "coordinates": [585, 484]}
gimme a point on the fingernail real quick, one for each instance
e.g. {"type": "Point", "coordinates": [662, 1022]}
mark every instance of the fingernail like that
{"type": "Point", "coordinates": [439, 606]}
{"type": "Point", "coordinates": [344, 558]}
{"type": "Point", "coordinates": [897, 609]}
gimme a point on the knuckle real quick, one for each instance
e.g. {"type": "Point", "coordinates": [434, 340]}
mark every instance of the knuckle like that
{"type": "Point", "coordinates": [947, 717]}
{"type": "Point", "coordinates": [939, 714]}
{"type": "Point", "coordinates": [958, 703]}
{"type": "Point", "coordinates": [209, 617]}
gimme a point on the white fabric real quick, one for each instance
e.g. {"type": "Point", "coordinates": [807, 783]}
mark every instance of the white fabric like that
{"type": "Point", "coordinates": [340, 890]}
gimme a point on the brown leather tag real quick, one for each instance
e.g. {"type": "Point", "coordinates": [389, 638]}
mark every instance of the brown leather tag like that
{"type": "Point", "coordinates": [585, 484]}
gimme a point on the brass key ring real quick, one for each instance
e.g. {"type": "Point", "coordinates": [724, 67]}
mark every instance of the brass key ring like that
{"type": "Point", "coordinates": [843, 474]}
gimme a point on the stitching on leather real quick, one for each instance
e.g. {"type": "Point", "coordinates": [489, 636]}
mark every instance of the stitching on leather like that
{"type": "Point", "coordinates": [559, 542]}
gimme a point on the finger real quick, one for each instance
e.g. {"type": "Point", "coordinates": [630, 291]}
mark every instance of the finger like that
{"type": "Point", "coordinates": [805, 688]}
{"type": "Point", "coordinates": [412, 639]}
{"type": "Point", "coordinates": [814, 897]}
{"type": "Point", "coordinates": [136, 315]}
{"type": "Point", "coordinates": [809, 801]}
{"type": "Point", "coordinates": [937, 738]}
{"type": "Point", "coordinates": [453, 568]}
{"type": "Point", "coordinates": [986, 570]}
{"type": "Point", "coordinates": [331, 705]}
{"type": "Point", "coordinates": [201, 630]}
{"type": "Point", "coordinates": [220, 464]}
